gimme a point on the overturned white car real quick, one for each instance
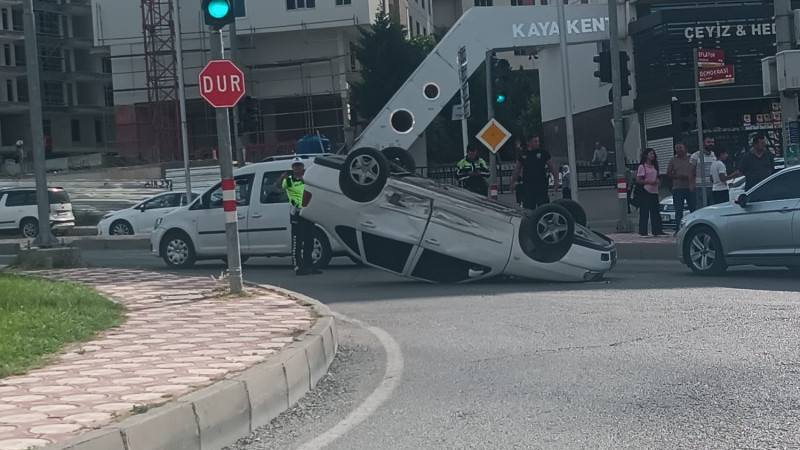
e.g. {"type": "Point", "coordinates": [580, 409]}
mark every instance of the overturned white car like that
{"type": "Point", "coordinates": [416, 227]}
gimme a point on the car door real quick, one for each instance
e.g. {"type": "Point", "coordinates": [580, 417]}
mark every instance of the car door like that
{"type": "Point", "coordinates": [6, 218]}
{"type": "Point", "coordinates": [152, 209]}
{"type": "Point", "coordinates": [390, 228]}
{"type": "Point", "coordinates": [210, 218]}
{"type": "Point", "coordinates": [268, 227]}
{"type": "Point", "coordinates": [764, 227]}
{"type": "Point", "coordinates": [15, 208]}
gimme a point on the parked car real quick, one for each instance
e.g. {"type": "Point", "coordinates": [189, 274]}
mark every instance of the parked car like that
{"type": "Point", "coordinates": [667, 206]}
{"type": "Point", "coordinates": [762, 227]}
{"type": "Point", "coordinates": [197, 231]}
{"type": "Point", "coordinates": [412, 226]}
{"type": "Point", "coordinates": [18, 211]}
{"type": "Point", "coordinates": [139, 218]}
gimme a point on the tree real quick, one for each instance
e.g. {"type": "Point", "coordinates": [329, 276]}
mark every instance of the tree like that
{"type": "Point", "coordinates": [387, 59]}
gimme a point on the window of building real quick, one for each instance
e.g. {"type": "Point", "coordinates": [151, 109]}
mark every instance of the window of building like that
{"type": "Point", "coordinates": [9, 91]}
{"type": "Point", "coordinates": [423, 4]}
{"type": "Point", "coordinates": [5, 24]}
{"type": "Point", "coordinates": [53, 93]}
{"type": "Point", "coordinates": [76, 130]}
{"type": "Point", "coordinates": [410, 24]}
{"type": "Point", "coordinates": [353, 60]}
{"type": "Point", "coordinates": [7, 54]}
{"type": "Point", "coordinates": [239, 8]}
{"type": "Point", "coordinates": [107, 65]}
{"type": "Point", "coordinates": [484, 2]}
{"type": "Point", "coordinates": [342, 2]}
{"type": "Point", "coordinates": [98, 131]}
{"type": "Point", "coordinates": [300, 4]}
{"type": "Point", "coordinates": [418, 28]}
{"type": "Point", "coordinates": [424, 31]}
{"type": "Point", "coordinates": [108, 93]}
{"type": "Point", "coordinates": [47, 127]}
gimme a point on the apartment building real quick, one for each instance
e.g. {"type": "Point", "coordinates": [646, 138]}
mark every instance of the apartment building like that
{"type": "Point", "coordinates": [77, 98]}
{"type": "Point", "coordinates": [297, 57]}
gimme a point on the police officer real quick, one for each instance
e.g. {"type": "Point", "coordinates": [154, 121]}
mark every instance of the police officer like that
{"type": "Point", "coordinates": [473, 172]}
{"type": "Point", "coordinates": [534, 165]}
{"type": "Point", "coordinates": [302, 229]}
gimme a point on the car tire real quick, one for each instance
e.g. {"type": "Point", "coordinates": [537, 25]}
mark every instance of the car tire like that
{"type": "Point", "coordinates": [702, 251]}
{"type": "Point", "coordinates": [177, 250]}
{"type": "Point", "coordinates": [321, 256]}
{"type": "Point", "coordinates": [547, 233]}
{"type": "Point", "coordinates": [574, 208]}
{"type": "Point", "coordinates": [120, 228]}
{"type": "Point", "coordinates": [400, 159]}
{"type": "Point", "coordinates": [364, 174]}
{"type": "Point", "coordinates": [29, 227]}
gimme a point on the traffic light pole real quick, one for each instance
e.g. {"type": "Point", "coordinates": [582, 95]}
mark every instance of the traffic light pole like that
{"type": "Point", "coordinates": [45, 238]}
{"type": "Point", "coordinates": [624, 223]}
{"type": "Point", "coordinates": [490, 116]}
{"type": "Point", "coordinates": [562, 25]}
{"type": "Point", "coordinates": [784, 41]}
{"type": "Point", "coordinates": [228, 184]}
{"type": "Point", "coordinates": [240, 160]}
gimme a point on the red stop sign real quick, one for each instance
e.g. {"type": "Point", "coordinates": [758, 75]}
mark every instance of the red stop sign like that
{"type": "Point", "coordinates": [221, 83]}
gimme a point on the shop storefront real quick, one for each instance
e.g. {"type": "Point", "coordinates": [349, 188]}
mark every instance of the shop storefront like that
{"type": "Point", "coordinates": [665, 35]}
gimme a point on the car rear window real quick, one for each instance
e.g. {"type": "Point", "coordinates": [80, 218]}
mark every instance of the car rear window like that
{"type": "Point", "coordinates": [58, 196]}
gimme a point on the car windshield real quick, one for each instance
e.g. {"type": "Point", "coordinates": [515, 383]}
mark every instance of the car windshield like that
{"type": "Point", "coordinates": [57, 196]}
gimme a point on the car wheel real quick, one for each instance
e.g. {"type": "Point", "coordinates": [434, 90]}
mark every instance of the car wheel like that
{"type": "Point", "coordinates": [703, 252]}
{"type": "Point", "coordinates": [321, 255]}
{"type": "Point", "coordinates": [29, 227]}
{"type": "Point", "coordinates": [574, 208]}
{"type": "Point", "coordinates": [177, 250]}
{"type": "Point", "coordinates": [364, 174]}
{"type": "Point", "coordinates": [547, 233]}
{"type": "Point", "coordinates": [401, 158]}
{"type": "Point", "coordinates": [120, 228]}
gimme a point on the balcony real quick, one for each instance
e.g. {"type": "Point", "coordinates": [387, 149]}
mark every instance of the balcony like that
{"type": "Point", "coordinates": [14, 107]}
{"type": "Point", "coordinates": [11, 35]}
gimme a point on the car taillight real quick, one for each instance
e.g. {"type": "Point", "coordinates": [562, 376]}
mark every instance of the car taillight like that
{"type": "Point", "coordinates": [306, 198]}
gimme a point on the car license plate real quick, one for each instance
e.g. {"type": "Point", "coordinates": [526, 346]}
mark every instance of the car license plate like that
{"type": "Point", "coordinates": [665, 218]}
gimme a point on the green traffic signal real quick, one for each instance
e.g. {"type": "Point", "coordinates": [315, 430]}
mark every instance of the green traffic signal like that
{"type": "Point", "coordinates": [218, 8]}
{"type": "Point", "coordinates": [500, 98]}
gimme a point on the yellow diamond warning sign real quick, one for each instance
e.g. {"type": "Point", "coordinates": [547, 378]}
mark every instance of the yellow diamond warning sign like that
{"type": "Point", "coordinates": [493, 136]}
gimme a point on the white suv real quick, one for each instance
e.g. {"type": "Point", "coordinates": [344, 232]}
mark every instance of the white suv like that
{"type": "Point", "coordinates": [197, 231]}
{"type": "Point", "coordinates": [18, 211]}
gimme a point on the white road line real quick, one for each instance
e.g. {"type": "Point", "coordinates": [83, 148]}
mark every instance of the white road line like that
{"type": "Point", "coordinates": [391, 379]}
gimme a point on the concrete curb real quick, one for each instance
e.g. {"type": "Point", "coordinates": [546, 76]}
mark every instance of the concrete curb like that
{"type": "Point", "coordinates": [116, 243]}
{"type": "Point", "coordinates": [220, 414]}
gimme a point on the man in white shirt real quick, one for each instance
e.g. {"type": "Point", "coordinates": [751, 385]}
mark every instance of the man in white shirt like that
{"type": "Point", "coordinates": [720, 177]}
{"type": "Point", "coordinates": [599, 159]}
{"type": "Point", "coordinates": [708, 159]}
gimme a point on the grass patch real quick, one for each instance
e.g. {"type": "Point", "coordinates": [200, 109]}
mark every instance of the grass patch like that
{"type": "Point", "coordinates": [38, 317]}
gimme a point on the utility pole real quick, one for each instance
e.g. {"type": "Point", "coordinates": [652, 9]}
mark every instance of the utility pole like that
{"type": "Point", "coordinates": [624, 222]}
{"type": "Point", "coordinates": [562, 37]}
{"type": "Point", "coordinates": [226, 171]}
{"type": "Point", "coordinates": [182, 101]}
{"type": "Point", "coordinates": [45, 239]}
{"type": "Point", "coordinates": [490, 116]}
{"type": "Point", "coordinates": [237, 137]}
{"type": "Point", "coordinates": [698, 110]}
{"type": "Point", "coordinates": [784, 41]}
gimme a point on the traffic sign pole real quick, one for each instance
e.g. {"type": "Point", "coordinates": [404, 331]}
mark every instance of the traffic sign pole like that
{"type": "Point", "coordinates": [228, 184]}
{"type": "Point", "coordinates": [490, 115]}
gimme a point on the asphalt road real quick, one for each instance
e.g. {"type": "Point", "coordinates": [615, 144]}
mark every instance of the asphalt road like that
{"type": "Point", "coordinates": [652, 357]}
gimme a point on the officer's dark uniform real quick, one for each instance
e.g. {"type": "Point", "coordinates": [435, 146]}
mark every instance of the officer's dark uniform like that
{"type": "Point", "coordinates": [302, 229]}
{"type": "Point", "coordinates": [535, 182]}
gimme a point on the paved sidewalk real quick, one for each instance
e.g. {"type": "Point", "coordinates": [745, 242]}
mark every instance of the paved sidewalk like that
{"type": "Point", "coordinates": [178, 336]}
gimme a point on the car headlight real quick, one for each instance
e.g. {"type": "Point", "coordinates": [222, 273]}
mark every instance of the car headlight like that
{"type": "Point", "coordinates": [158, 222]}
{"type": "Point", "coordinates": [106, 216]}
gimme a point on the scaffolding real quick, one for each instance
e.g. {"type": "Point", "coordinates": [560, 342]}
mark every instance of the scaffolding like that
{"type": "Point", "coordinates": [162, 82]}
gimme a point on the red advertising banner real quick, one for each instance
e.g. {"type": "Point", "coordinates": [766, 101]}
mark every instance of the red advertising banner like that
{"type": "Point", "coordinates": [713, 76]}
{"type": "Point", "coordinates": [710, 58]}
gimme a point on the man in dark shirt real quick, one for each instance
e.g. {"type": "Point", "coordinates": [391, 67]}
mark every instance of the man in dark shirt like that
{"type": "Point", "coordinates": [533, 164]}
{"type": "Point", "coordinates": [758, 164]}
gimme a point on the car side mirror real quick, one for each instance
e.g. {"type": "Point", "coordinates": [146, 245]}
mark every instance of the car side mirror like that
{"type": "Point", "coordinates": [742, 200]}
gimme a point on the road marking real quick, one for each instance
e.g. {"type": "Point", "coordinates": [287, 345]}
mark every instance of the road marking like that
{"type": "Point", "coordinates": [391, 379]}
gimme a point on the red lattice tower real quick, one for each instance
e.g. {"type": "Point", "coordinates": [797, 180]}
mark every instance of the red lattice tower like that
{"type": "Point", "coordinates": [161, 70]}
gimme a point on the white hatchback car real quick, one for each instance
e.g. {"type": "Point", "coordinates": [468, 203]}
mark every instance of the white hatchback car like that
{"type": "Point", "coordinates": [139, 218]}
{"type": "Point", "coordinates": [197, 231]}
{"type": "Point", "coordinates": [18, 211]}
{"type": "Point", "coordinates": [416, 227]}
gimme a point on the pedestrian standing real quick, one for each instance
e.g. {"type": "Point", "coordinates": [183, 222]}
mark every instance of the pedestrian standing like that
{"type": "Point", "coordinates": [720, 177]}
{"type": "Point", "coordinates": [534, 164]}
{"type": "Point", "coordinates": [758, 164]}
{"type": "Point", "coordinates": [708, 158]}
{"type": "Point", "coordinates": [566, 189]}
{"type": "Point", "coordinates": [516, 185]}
{"type": "Point", "coordinates": [647, 176]}
{"type": "Point", "coordinates": [599, 159]}
{"type": "Point", "coordinates": [472, 172]}
{"type": "Point", "coordinates": [679, 170]}
{"type": "Point", "coordinates": [302, 228]}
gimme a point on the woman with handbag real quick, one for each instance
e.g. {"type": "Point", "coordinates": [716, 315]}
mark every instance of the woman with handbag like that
{"type": "Point", "coordinates": [647, 192]}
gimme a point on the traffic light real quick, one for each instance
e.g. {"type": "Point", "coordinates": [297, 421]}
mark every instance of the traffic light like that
{"type": "Point", "coordinates": [624, 73]}
{"type": "Point", "coordinates": [218, 13]}
{"type": "Point", "coordinates": [249, 114]}
{"type": "Point", "coordinates": [501, 74]}
{"type": "Point", "coordinates": [603, 61]}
